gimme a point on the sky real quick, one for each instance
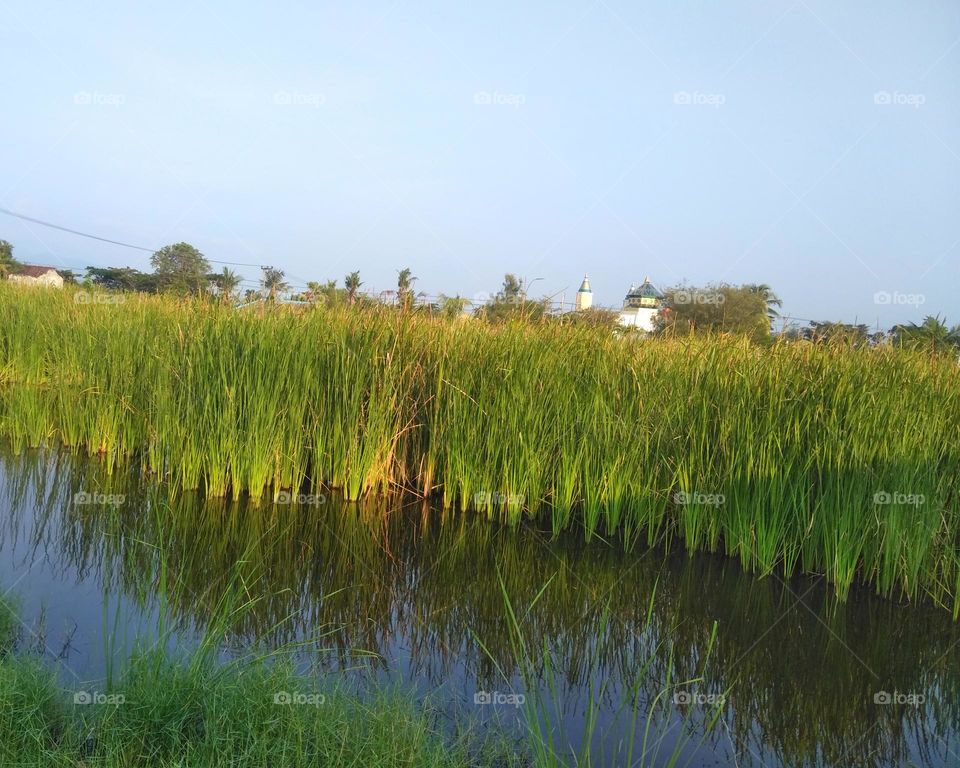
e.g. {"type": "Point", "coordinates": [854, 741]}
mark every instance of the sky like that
{"type": "Point", "coordinates": [810, 145]}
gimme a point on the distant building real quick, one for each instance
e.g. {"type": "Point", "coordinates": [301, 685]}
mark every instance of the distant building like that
{"type": "Point", "coordinates": [584, 295]}
{"type": "Point", "coordinates": [641, 305]}
{"type": "Point", "coordinates": [37, 275]}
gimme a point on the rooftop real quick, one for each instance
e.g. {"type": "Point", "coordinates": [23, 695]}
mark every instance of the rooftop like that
{"type": "Point", "coordinates": [34, 270]}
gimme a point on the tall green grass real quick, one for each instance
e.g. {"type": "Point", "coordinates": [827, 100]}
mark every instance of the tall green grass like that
{"type": "Point", "coordinates": [792, 456]}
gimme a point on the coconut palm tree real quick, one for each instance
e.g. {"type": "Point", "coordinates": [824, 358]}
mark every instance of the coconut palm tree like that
{"type": "Point", "coordinates": [273, 282]}
{"type": "Point", "coordinates": [932, 335]}
{"type": "Point", "coordinates": [773, 301]}
{"type": "Point", "coordinates": [226, 283]}
{"type": "Point", "coordinates": [405, 281]}
{"type": "Point", "coordinates": [352, 283]}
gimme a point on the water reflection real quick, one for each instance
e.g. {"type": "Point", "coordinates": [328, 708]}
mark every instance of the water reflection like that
{"type": "Point", "coordinates": [418, 592]}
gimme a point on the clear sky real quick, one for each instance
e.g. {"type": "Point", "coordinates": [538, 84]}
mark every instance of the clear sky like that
{"type": "Point", "coordinates": [810, 145]}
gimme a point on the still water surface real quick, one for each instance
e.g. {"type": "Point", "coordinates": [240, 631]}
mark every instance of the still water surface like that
{"type": "Point", "coordinates": [394, 591]}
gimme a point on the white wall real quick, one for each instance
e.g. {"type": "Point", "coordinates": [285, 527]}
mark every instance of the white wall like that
{"type": "Point", "coordinates": [641, 318]}
{"type": "Point", "coordinates": [50, 279]}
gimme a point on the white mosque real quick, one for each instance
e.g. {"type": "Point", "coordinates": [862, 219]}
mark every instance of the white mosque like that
{"type": "Point", "coordinates": [640, 306]}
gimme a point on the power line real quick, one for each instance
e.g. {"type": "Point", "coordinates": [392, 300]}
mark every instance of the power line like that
{"type": "Point", "coordinates": [107, 239]}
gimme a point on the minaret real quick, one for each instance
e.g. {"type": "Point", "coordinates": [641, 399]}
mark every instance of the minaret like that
{"type": "Point", "coordinates": [584, 295]}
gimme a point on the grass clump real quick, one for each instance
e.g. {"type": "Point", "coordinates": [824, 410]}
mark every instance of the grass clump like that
{"type": "Point", "coordinates": [794, 456]}
{"type": "Point", "coordinates": [162, 713]}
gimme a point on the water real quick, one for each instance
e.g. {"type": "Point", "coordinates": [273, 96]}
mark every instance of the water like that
{"type": "Point", "coordinates": [393, 591]}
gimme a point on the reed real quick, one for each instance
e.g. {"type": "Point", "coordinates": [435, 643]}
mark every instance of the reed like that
{"type": "Point", "coordinates": [793, 456]}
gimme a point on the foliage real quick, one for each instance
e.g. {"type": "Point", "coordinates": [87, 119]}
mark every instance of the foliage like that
{"type": "Point", "coordinates": [932, 335]}
{"type": "Point", "coordinates": [352, 285]}
{"type": "Point", "coordinates": [451, 307]}
{"type": "Point", "coordinates": [226, 283]}
{"type": "Point", "coordinates": [405, 281]}
{"type": "Point", "coordinates": [325, 293]}
{"type": "Point", "coordinates": [595, 317]}
{"type": "Point", "coordinates": [273, 282]}
{"type": "Point", "coordinates": [180, 268]}
{"type": "Point", "coordinates": [122, 279]}
{"type": "Point", "coordinates": [773, 302]}
{"type": "Point", "coordinates": [829, 332]}
{"type": "Point", "coordinates": [717, 308]}
{"type": "Point", "coordinates": [8, 264]}
{"type": "Point", "coordinates": [810, 445]}
{"type": "Point", "coordinates": [511, 303]}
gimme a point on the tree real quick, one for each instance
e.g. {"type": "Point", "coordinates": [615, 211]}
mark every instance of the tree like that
{"type": "Point", "coordinates": [352, 283]}
{"type": "Point", "coordinates": [226, 282]}
{"type": "Point", "coordinates": [405, 281]}
{"type": "Point", "coordinates": [773, 301]}
{"type": "Point", "coordinates": [512, 289]}
{"type": "Point", "coordinates": [181, 268]}
{"type": "Point", "coordinates": [451, 306]}
{"type": "Point", "coordinates": [828, 332]}
{"type": "Point", "coordinates": [717, 308]}
{"type": "Point", "coordinates": [273, 282]}
{"type": "Point", "coordinates": [68, 275]}
{"type": "Point", "coordinates": [595, 317]}
{"type": "Point", "coordinates": [932, 335]}
{"type": "Point", "coordinates": [325, 293]}
{"type": "Point", "coordinates": [8, 265]}
{"type": "Point", "coordinates": [511, 303]}
{"type": "Point", "coordinates": [123, 279]}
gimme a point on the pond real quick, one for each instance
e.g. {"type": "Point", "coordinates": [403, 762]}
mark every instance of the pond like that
{"type": "Point", "coordinates": [394, 591]}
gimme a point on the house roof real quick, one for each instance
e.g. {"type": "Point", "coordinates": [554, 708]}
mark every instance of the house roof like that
{"type": "Point", "coordinates": [34, 270]}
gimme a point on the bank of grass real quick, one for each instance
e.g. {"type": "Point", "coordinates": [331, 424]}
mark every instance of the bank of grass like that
{"type": "Point", "coordinates": [165, 708]}
{"type": "Point", "coordinates": [162, 714]}
{"type": "Point", "coordinates": [789, 457]}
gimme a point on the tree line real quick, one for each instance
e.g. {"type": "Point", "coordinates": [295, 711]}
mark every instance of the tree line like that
{"type": "Point", "coordinates": [748, 310]}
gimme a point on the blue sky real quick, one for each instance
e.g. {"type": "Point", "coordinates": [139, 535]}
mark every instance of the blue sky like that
{"type": "Point", "coordinates": [810, 145]}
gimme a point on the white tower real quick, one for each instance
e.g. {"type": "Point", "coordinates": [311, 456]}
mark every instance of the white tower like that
{"type": "Point", "coordinates": [584, 295]}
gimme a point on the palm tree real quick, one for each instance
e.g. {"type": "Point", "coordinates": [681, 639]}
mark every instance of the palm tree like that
{"type": "Point", "coordinates": [227, 282]}
{"type": "Point", "coordinates": [405, 281]}
{"type": "Point", "coordinates": [314, 289]}
{"type": "Point", "coordinates": [452, 306]}
{"type": "Point", "coordinates": [931, 335]}
{"type": "Point", "coordinates": [273, 282]}
{"type": "Point", "coordinates": [773, 301]}
{"type": "Point", "coordinates": [352, 283]}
